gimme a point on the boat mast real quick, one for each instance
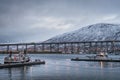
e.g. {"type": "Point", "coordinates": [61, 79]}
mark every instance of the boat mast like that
{"type": "Point", "coordinates": [25, 52]}
{"type": "Point", "coordinates": [10, 54]}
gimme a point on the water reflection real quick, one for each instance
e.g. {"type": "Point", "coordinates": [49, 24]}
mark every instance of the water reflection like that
{"type": "Point", "coordinates": [19, 73]}
{"type": "Point", "coordinates": [10, 73]}
{"type": "Point", "coordinates": [109, 64]}
{"type": "Point", "coordinates": [103, 64]}
{"type": "Point", "coordinates": [60, 67]}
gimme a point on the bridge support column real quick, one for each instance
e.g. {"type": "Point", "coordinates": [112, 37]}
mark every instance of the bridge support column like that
{"type": "Point", "coordinates": [57, 47]}
{"type": "Point", "coordinates": [26, 47]}
{"type": "Point", "coordinates": [84, 48]}
{"type": "Point", "coordinates": [17, 47]}
{"type": "Point", "coordinates": [90, 47]}
{"type": "Point", "coordinates": [72, 48]}
{"type": "Point", "coordinates": [65, 48]}
{"type": "Point", "coordinates": [34, 47]}
{"type": "Point", "coordinates": [43, 47]}
{"type": "Point", "coordinates": [78, 48]}
{"type": "Point", "coordinates": [8, 48]}
{"type": "Point", "coordinates": [112, 44]}
{"type": "Point", "coordinates": [96, 47]}
{"type": "Point", "coordinates": [101, 46]}
{"type": "Point", "coordinates": [50, 47]}
{"type": "Point", "coordinates": [107, 47]}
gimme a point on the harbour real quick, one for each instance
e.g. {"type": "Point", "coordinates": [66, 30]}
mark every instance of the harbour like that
{"type": "Point", "coordinates": [59, 40]}
{"type": "Point", "coordinates": [59, 67]}
{"type": "Point", "coordinates": [20, 59]}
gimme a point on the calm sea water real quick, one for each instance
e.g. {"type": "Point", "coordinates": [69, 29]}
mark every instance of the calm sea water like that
{"type": "Point", "coordinates": [59, 67]}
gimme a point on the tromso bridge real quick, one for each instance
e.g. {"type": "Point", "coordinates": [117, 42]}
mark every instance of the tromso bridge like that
{"type": "Point", "coordinates": [64, 47]}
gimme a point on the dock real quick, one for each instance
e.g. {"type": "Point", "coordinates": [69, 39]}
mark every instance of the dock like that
{"type": "Point", "coordinates": [98, 60]}
{"type": "Point", "coordinates": [21, 64]}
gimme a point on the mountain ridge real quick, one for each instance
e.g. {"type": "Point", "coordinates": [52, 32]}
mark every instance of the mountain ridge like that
{"type": "Point", "coordinates": [94, 32]}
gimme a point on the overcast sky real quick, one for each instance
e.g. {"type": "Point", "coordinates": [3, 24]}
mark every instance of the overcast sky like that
{"type": "Point", "coordinates": [39, 20]}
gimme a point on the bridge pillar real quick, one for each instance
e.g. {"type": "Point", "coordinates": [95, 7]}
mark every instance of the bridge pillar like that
{"type": "Point", "coordinates": [84, 47]}
{"type": "Point", "coordinates": [58, 47]}
{"type": "Point", "coordinates": [101, 46]}
{"type": "Point", "coordinates": [90, 47]}
{"type": "Point", "coordinates": [112, 44]}
{"type": "Point", "coordinates": [43, 46]}
{"type": "Point", "coordinates": [26, 47]}
{"type": "Point", "coordinates": [71, 47]}
{"type": "Point", "coordinates": [96, 47]}
{"type": "Point", "coordinates": [17, 47]}
{"type": "Point", "coordinates": [8, 48]}
{"type": "Point", "coordinates": [65, 48]}
{"type": "Point", "coordinates": [107, 46]}
{"type": "Point", "coordinates": [78, 48]}
{"type": "Point", "coordinates": [34, 47]}
{"type": "Point", "coordinates": [50, 47]}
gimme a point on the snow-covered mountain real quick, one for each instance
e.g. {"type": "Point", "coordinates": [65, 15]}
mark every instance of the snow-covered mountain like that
{"type": "Point", "coordinates": [95, 32]}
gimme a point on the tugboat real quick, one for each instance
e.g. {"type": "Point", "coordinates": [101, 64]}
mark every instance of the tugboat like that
{"type": "Point", "coordinates": [22, 57]}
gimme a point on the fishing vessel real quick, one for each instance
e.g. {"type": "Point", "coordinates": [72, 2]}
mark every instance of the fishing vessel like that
{"type": "Point", "coordinates": [21, 57]}
{"type": "Point", "coordinates": [18, 60]}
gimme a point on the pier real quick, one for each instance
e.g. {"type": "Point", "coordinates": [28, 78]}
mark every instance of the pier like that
{"type": "Point", "coordinates": [64, 47]}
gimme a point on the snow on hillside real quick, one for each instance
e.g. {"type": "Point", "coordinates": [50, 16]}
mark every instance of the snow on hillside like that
{"type": "Point", "coordinates": [95, 32]}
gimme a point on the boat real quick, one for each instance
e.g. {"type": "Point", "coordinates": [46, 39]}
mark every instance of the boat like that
{"type": "Point", "coordinates": [21, 57]}
{"type": "Point", "coordinates": [102, 56]}
{"type": "Point", "coordinates": [18, 60]}
{"type": "Point", "coordinates": [11, 65]}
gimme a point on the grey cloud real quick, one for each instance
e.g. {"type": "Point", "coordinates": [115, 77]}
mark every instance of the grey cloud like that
{"type": "Point", "coordinates": [18, 18]}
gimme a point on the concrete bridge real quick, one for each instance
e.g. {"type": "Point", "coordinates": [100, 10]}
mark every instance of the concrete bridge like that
{"type": "Point", "coordinates": [64, 47]}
